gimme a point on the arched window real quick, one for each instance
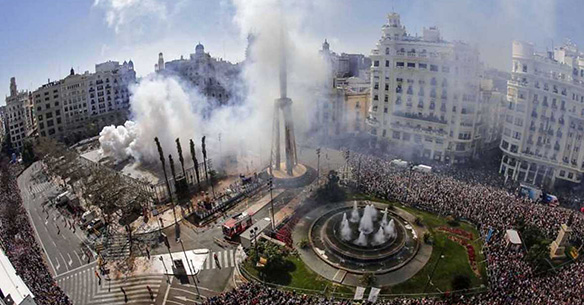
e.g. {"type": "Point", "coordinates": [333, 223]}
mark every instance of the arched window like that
{"type": "Point", "coordinates": [386, 51]}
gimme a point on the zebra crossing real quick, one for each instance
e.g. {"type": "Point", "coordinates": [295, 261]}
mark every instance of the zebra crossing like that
{"type": "Point", "coordinates": [226, 258]}
{"type": "Point", "coordinates": [83, 288]}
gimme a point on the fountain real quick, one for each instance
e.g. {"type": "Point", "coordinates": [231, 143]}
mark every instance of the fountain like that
{"type": "Point", "coordinates": [355, 213]}
{"type": "Point", "coordinates": [346, 233]}
{"type": "Point", "coordinates": [363, 238]}
{"type": "Point", "coordinates": [390, 229]}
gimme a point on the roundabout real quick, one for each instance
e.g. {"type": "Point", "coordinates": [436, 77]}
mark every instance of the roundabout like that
{"type": "Point", "coordinates": [349, 239]}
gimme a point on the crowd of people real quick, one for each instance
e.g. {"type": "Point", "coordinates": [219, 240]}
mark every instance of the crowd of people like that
{"type": "Point", "coordinates": [17, 239]}
{"type": "Point", "coordinates": [468, 195]}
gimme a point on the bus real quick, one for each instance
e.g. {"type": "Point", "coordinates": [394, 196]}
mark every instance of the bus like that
{"type": "Point", "coordinates": [237, 224]}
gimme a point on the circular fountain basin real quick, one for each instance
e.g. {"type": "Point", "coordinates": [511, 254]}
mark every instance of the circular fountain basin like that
{"type": "Point", "coordinates": [342, 252]}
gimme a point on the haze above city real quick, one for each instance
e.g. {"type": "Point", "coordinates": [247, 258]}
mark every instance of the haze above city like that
{"type": "Point", "coordinates": [40, 43]}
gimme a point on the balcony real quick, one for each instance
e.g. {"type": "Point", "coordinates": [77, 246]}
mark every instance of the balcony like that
{"type": "Point", "coordinates": [429, 118]}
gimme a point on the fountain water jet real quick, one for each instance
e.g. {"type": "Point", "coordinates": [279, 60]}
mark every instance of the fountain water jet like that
{"type": "Point", "coordinates": [379, 237]}
{"type": "Point", "coordinates": [390, 229]}
{"type": "Point", "coordinates": [384, 219]}
{"type": "Point", "coordinates": [366, 223]}
{"type": "Point", "coordinates": [373, 212]}
{"type": "Point", "coordinates": [355, 213]}
{"type": "Point", "coordinates": [362, 240]}
{"type": "Point", "coordinates": [346, 233]}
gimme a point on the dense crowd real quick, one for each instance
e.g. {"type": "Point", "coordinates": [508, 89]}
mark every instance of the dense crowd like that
{"type": "Point", "coordinates": [471, 196]}
{"type": "Point", "coordinates": [17, 239]}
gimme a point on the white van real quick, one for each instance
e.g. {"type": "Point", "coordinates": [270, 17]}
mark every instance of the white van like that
{"type": "Point", "coordinates": [399, 163]}
{"type": "Point", "coordinates": [87, 217]}
{"type": "Point", "coordinates": [62, 198]}
{"type": "Point", "coordinates": [423, 168]}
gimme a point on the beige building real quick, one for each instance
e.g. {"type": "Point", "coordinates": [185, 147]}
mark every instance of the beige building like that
{"type": "Point", "coordinates": [424, 94]}
{"type": "Point", "coordinates": [80, 105]}
{"type": "Point", "coordinates": [19, 117]}
{"type": "Point", "coordinates": [543, 135]}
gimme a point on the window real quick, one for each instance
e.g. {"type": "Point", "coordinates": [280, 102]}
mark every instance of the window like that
{"type": "Point", "coordinates": [411, 65]}
{"type": "Point", "coordinates": [395, 135]}
{"type": "Point", "coordinates": [387, 63]}
{"type": "Point", "coordinates": [434, 68]}
{"type": "Point", "coordinates": [375, 64]}
{"type": "Point", "coordinates": [423, 66]}
{"type": "Point", "coordinates": [399, 64]}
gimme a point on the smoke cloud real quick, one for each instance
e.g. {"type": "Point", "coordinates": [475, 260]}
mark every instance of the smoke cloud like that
{"type": "Point", "coordinates": [168, 108]}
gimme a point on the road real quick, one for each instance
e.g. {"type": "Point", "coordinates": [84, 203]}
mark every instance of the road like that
{"type": "Point", "coordinates": [74, 270]}
{"type": "Point", "coordinates": [64, 247]}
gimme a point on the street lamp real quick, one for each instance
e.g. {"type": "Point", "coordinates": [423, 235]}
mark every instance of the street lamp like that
{"type": "Point", "coordinates": [318, 164]}
{"type": "Point", "coordinates": [165, 270]}
{"type": "Point", "coordinates": [190, 268]}
{"type": "Point", "coordinates": [271, 185]}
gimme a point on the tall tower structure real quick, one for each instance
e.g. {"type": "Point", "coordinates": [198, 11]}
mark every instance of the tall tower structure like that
{"type": "Point", "coordinates": [160, 65]}
{"type": "Point", "coordinates": [283, 105]}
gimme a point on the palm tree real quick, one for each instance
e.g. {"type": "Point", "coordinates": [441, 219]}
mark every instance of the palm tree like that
{"type": "Point", "coordinates": [180, 157]}
{"type": "Point", "coordinates": [194, 157]}
{"type": "Point", "coordinates": [205, 159]}
{"type": "Point", "coordinates": [172, 171]}
{"type": "Point", "coordinates": [165, 176]}
{"type": "Point", "coordinates": [205, 164]}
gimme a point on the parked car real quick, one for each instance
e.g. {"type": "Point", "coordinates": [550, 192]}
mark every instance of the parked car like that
{"type": "Point", "coordinates": [95, 224]}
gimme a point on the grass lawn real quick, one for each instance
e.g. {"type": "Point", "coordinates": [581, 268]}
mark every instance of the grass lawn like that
{"type": "Point", "coordinates": [448, 259]}
{"type": "Point", "coordinates": [454, 262]}
{"type": "Point", "coordinates": [297, 275]}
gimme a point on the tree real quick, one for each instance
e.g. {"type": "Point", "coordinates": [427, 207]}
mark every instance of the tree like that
{"type": "Point", "coordinates": [204, 158]}
{"type": "Point", "coordinates": [538, 255]}
{"type": "Point", "coordinates": [180, 156]}
{"type": "Point", "coordinates": [332, 191]}
{"type": "Point", "coordinates": [460, 282]}
{"type": "Point", "coordinates": [195, 162]}
{"type": "Point", "coordinates": [161, 155]}
{"type": "Point", "coordinates": [368, 279]}
{"type": "Point", "coordinates": [28, 156]}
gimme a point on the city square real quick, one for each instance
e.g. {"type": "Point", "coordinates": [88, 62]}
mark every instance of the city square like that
{"type": "Point", "coordinates": [433, 167]}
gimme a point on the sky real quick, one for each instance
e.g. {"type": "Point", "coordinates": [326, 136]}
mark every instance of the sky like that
{"type": "Point", "coordinates": [44, 39]}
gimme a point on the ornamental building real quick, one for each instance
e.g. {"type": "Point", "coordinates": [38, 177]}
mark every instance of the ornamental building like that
{"type": "Point", "coordinates": [216, 79]}
{"type": "Point", "coordinates": [424, 97]}
{"type": "Point", "coordinates": [544, 126]}
{"type": "Point", "coordinates": [19, 119]}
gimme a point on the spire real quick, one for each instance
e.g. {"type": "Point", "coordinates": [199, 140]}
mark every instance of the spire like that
{"type": "Point", "coordinates": [13, 88]}
{"type": "Point", "coordinates": [325, 45]}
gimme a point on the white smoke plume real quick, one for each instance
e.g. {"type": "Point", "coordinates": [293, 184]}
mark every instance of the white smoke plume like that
{"type": "Point", "coordinates": [168, 108]}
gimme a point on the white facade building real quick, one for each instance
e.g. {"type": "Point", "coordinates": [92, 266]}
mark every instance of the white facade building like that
{"type": "Point", "coordinates": [215, 78]}
{"type": "Point", "coordinates": [19, 116]}
{"type": "Point", "coordinates": [80, 105]}
{"type": "Point", "coordinates": [424, 94]}
{"type": "Point", "coordinates": [542, 140]}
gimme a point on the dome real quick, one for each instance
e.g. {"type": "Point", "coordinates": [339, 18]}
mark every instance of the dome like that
{"type": "Point", "coordinates": [199, 49]}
